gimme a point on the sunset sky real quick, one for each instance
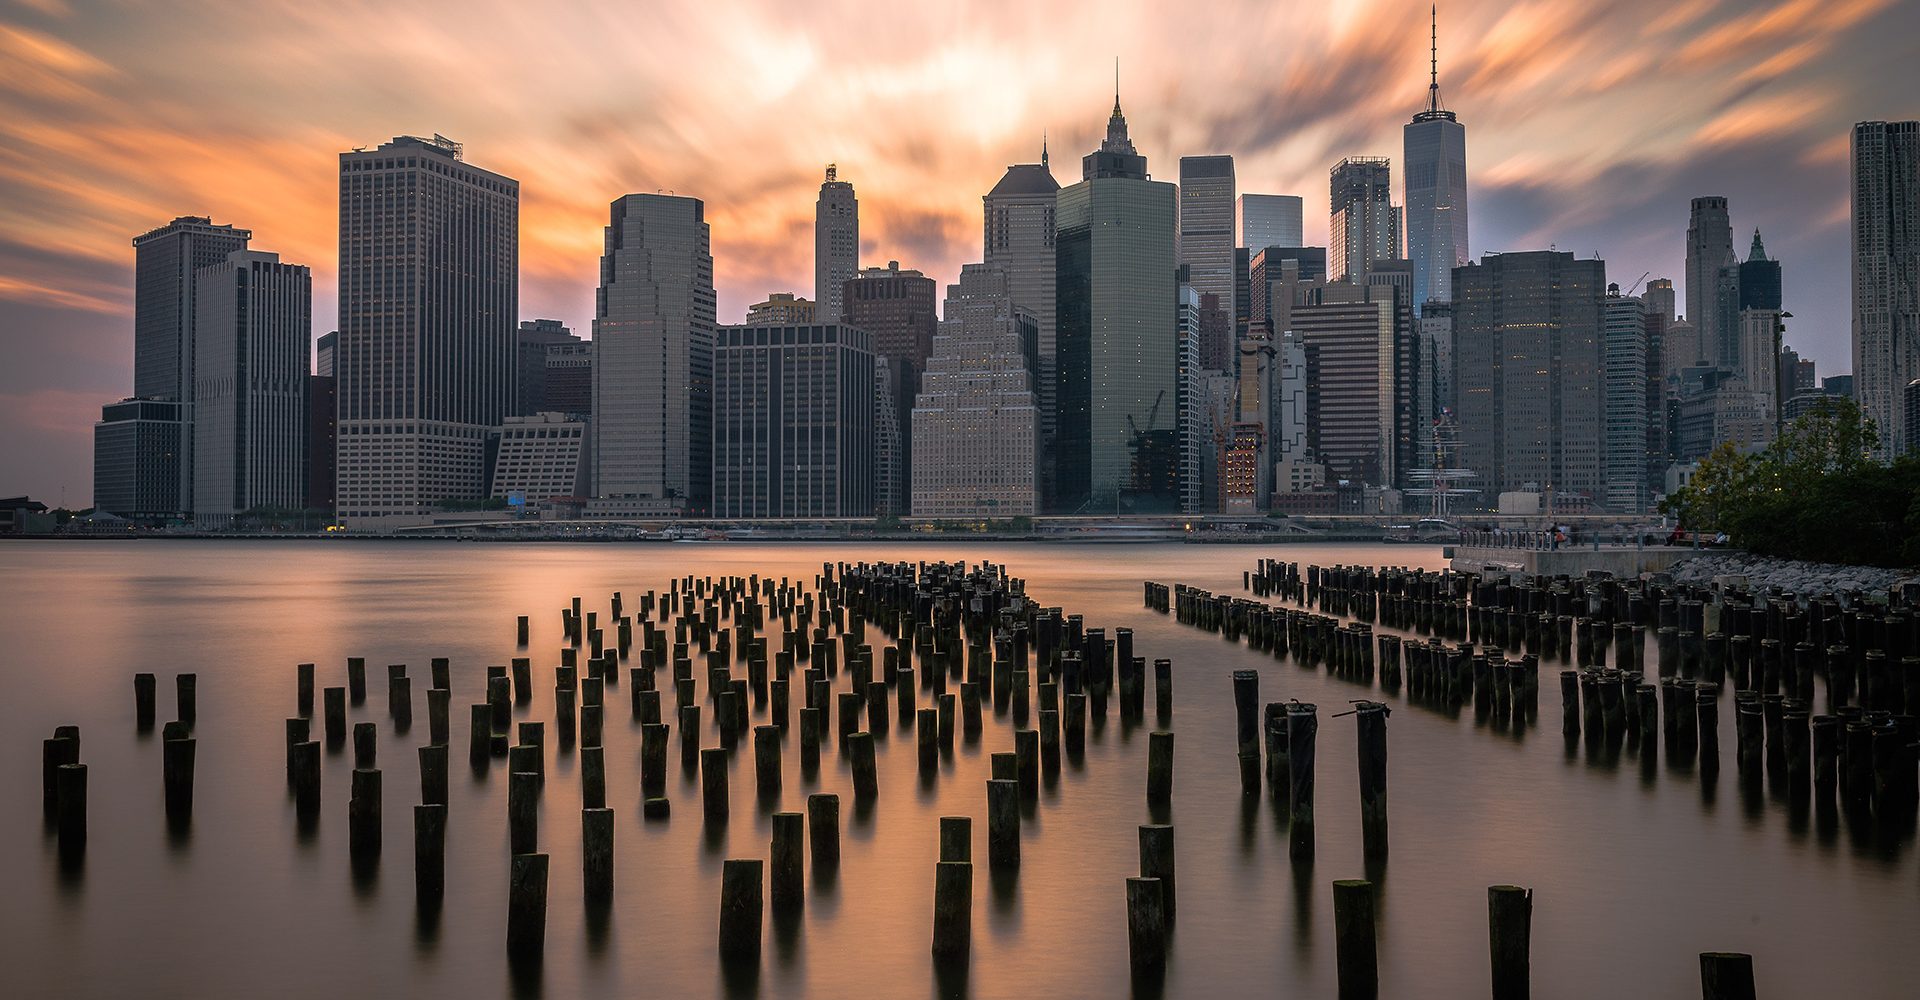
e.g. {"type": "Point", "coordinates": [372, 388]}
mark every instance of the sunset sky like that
{"type": "Point", "coordinates": [1589, 126]}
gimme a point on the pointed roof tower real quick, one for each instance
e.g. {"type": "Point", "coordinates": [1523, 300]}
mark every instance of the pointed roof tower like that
{"type": "Point", "coordinates": [1116, 156]}
{"type": "Point", "coordinates": [1433, 110]}
{"type": "Point", "coordinates": [1759, 250]}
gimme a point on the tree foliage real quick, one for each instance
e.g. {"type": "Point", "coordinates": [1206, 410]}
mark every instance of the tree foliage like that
{"type": "Point", "coordinates": [1814, 493]}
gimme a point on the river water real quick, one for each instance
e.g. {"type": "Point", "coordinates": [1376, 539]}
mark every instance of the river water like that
{"type": "Point", "coordinates": [1634, 873]}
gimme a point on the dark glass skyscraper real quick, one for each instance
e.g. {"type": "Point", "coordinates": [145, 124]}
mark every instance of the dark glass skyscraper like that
{"type": "Point", "coordinates": [1117, 447]}
{"type": "Point", "coordinates": [1436, 180]}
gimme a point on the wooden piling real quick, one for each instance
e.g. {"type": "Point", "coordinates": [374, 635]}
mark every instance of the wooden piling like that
{"type": "Point", "coordinates": [1726, 976]}
{"type": "Point", "coordinates": [866, 781]}
{"type": "Point", "coordinates": [653, 759]}
{"type": "Point", "coordinates": [596, 852]}
{"type": "Point", "coordinates": [1354, 939]}
{"type": "Point", "coordinates": [439, 726]}
{"type": "Point", "coordinates": [766, 760]}
{"type": "Point", "coordinates": [302, 687]}
{"type": "Point", "coordinates": [70, 807]}
{"type": "Point", "coordinates": [523, 812]}
{"type": "Point", "coordinates": [1302, 725]}
{"type": "Point", "coordinates": [1509, 937]}
{"type": "Point", "coordinates": [143, 698]}
{"type": "Point", "coordinates": [429, 851]}
{"type": "Point", "coordinates": [1146, 926]}
{"type": "Point", "coordinates": [952, 909]}
{"type": "Point", "coordinates": [593, 778]}
{"type": "Point", "coordinates": [1003, 823]}
{"type": "Point", "coordinates": [956, 838]}
{"type": "Point", "coordinates": [433, 774]}
{"type": "Point", "coordinates": [334, 715]}
{"type": "Point", "coordinates": [1156, 861]}
{"type": "Point", "coordinates": [1371, 717]}
{"type": "Point", "coordinates": [365, 744]}
{"type": "Point", "coordinates": [823, 830]}
{"type": "Point", "coordinates": [788, 874]}
{"type": "Point", "coordinates": [713, 783]}
{"type": "Point", "coordinates": [1159, 766]}
{"type": "Point", "coordinates": [740, 906]}
{"type": "Point", "coordinates": [527, 906]}
{"type": "Point", "coordinates": [363, 812]}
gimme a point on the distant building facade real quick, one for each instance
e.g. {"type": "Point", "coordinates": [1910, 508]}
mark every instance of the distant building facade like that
{"type": "Point", "coordinates": [542, 456]}
{"type": "Point", "coordinates": [1365, 224]}
{"type": "Point", "coordinates": [836, 245]}
{"type": "Point", "coordinates": [1207, 245]}
{"type": "Point", "coordinates": [136, 459]}
{"type": "Point", "coordinates": [1018, 237]}
{"type": "Point", "coordinates": [976, 422]}
{"type": "Point", "coordinates": [898, 310]}
{"type": "Point", "coordinates": [653, 337]}
{"type": "Point", "coordinates": [429, 299]}
{"type": "Point", "coordinates": [1271, 220]}
{"type": "Point", "coordinates": [252, 333]}
{"type": "Point", "coordinates": [782, 309]}
{"type": "Point", "coordinates": [1886, 273]}
{"type": "Point", "coordinates": [793, 422]}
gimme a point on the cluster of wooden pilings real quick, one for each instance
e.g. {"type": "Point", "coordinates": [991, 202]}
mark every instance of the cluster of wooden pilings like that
{"type": "Point", "coordinates": [64, 776]}
{"type": "Point", "coordinates": [931, 648]}
{"type": "Point", "coordinates": [1773, 649]}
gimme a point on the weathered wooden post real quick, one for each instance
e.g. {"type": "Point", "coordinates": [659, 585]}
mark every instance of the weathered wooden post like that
{"type": "Point", "coordinates": [1156, 861]}
{"type": "Point", "coordinates": [306, 780]}
{"type": "Point", "coordinates": [956, 838]}
{"type": "Point", "coordinates": [1371, 717]}
{"type": "Point", "coordinates": [713, 783]}
{"type": "Point", "coordinates": [302, 686]}
{"type": "Point", "coordinates": [433, 774]}
{"type": "Point", "coordinates": [523, 812]}
{"type": "Point", "coordinates": [1302, 725]}
{"type": "Point", "coordinates": [593, 778]}
{"type": "Point", "coordinates": [365, 744]}
{"type": "Point", "coordinates": [334, 715]}
{"type": "Point", "coordinates": [927, 739]}
{"type": "Point", "coordinates": [1726, 976]}
{"type": "Point", "coordinates": [527, 907]}
{"type": "Point", "coordinates": [788, 875]}
{"type": "Point", "coordinates": [823, 830]}
{"type": "Point", "coordinates": [766, 760]}
{"type": "Point", "coordinates": [1003, 823]}
{"type": "Point", "coordinates": [429, 851]}
{"type": "Point", "coordinates": [689, 735]}
{"type": "Point", "coordinates": [1146, 926]}
{"type": "Point", "coordinates": [400, 698]}
{"type": "Point", "coordinates": [70, 807]}
{"type": "Point", "coordinates": [439, 726]}
{"type": "Point", "coordinates": [1509, 940]}
{"type": "Point", "coordinates": [953, 909]}
{"type": "Point", "coordinates": [1246, 706]}
{"type": "Point", "coordinates": [1159, 766]}
{"type": "Point", "coordinates": [1163, 690]}
{"type": "Point", "coordinates": [740, 906]}
{"type": "Point", "coordinates": [176, 765]}
{"type": "Point", "coordinates": [357, 679]}
{"type": "Point", "coordinates": [866, 782]}
{"type": "Point", "coordinates": [363, 813]}
{"type": "Point", "coordinates": [143, 697]}
{"type": "Point", "coordinates": [1354, 939]}
{"type": "Point", "coordinates": [596, 852]}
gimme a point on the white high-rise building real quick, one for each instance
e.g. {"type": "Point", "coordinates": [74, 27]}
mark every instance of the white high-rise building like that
{"type": "Point", "coordinates": [1364, 225]}
{"type": "Point", "coordinates": [429, 299]}
{"type": "Point", "coordinates": [1886, 274]}
{"type": "Point", "coordinates": [1271, 220]}
{"type": "Point", "coordinates": [252, 333]}
{"type": "Point", "coordinates": [1623, 403]}
{"type": "Point", "coordinates": [653, 337]}
{"type": "Point", "coordinates": [976, 423]}
{"type": "Point", "coordinates": [836, 245]}
{"type": "Point", "coordinates": [1019, 239]}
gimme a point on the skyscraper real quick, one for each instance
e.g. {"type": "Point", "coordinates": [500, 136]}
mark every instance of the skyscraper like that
{"type": "Point", "coordinates": [136, 459]}
{"type": "Point", "coordinates": [1116, 444]}
{"type": "Point", "coordinates": [1365, 224]}
{"type": "Point", "coordinates": [836, 244]}
{"type": "Point", "coordinates": [531, 344]}
{"type": "Point", "coordinates": [1709, 252]}
{"type": "Point", "coordinates": [1886, 273]}
{"type": "Point", "coordinates": [976, 428]}
{"type": "Point", "coordinates": [1436, 179]}
{"type": "Point", "coordinates": [1527, 362]}
{"type": "Point", "coordinates": [1207, 245]}
{"type": "Point", "coordinates": [429, 295]}
{"type": "Point", "coordinates": [164, 263]}
{"type": "Point", "coordinates": [782, 309]}
{"type": "Point", "coordinates": [1361, 356]}
{"type": "Point", "coordinates": [792, 422]}
{"type": "Point", "coordinates": [1624, 414]}
{"type": "Point", "coordinates": [1018, 237]}
{"type": "Point", "coordinates": [897, 309]}
{"type": "Point", "coordinates": [253, 335]}
{"type": "Point", "coordinates": [1271, 220]}
{"type": "Point", "coordinates": [653, 331]}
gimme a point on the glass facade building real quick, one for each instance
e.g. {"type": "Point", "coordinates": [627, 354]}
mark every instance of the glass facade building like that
{"type": "Point", "coordinates": [653, 333]}
{"type": "Point", "coordinates": [136, 459]}
{"type": "Point", "coordinates": [1207, 245]}
{"type": "Point", "coordinates": [253, 330]}
{"type": "Point", "coordinates": [1436, 178]}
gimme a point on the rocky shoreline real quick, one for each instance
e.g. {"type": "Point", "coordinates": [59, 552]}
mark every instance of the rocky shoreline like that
{"type": "Point", "coordinates": [1805, 578]}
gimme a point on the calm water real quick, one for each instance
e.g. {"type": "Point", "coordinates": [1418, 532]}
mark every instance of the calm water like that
{"type": "Point", "coordinates": [1633, 877]}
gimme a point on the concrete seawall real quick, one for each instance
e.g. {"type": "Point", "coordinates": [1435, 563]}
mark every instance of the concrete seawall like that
{"type": "Point", "coordinates": [1570, 560]}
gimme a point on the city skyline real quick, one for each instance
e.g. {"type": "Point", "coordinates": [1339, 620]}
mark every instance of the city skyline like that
{"type": "Point", "coordinates": [1757, 108]}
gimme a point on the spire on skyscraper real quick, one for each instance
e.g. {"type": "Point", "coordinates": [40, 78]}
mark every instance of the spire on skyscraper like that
{"type": "Point", "coordinates": [1758, 251]}
{"type": "Point", "coordinates": [1043, 147]}
{"type": "Point", "coordinates": [1433, 60]}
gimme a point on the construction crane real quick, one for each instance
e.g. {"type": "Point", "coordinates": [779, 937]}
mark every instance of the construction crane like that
{"type": "Point", "coordinates": [1636, 284]}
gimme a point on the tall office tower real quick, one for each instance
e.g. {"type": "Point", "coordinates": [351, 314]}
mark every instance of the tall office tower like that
{"type": "Point", "coordinates": [1656, 394]}
{"type": "Point", "coordinates": [136, 459]}
{"type": "Point", "coordinates": [1709, 251]}
{"type": "Point", "coordinates": [1527, 357]}
{"type": "Point", "coordinates": [1018, 235]}
{"type": "Point", "coordinates": [1759, 372]}
{"type": "Point", "coordinates": [653, 331]}
{"type": "Point", "coordinates": [1365, 223]}
{"type": "Point", "coordinates": [429, 295]}
{"type": "Point", "coordinates": [1189, 415]}
{"type": "Point", "coordinates": [1206, 246]}
{"type": "Point", "coordinates": [1246, 467]}
{"type": "Point", "coordinates": [1412, 402]}
{"type": "Point", "coordinates": [252, 331]}
{"type": "Point", "coordinates": [1623, 402]}
{"type": "Point", "coordinates": [782, 309]}
{"type": "Point", "coordinates": [1216, 335]}
{"type": "Point", "coordinates": [1288, 412]}
{"type": "Point", "coordinates": [164, 263]}
{"type": "Point", "coordinates": [530, 348]}
{"type": "Point", "coordinates": [1436, 180]}
{"type": "Point", "coordinates": [1276, 275]}
{"type": "Point", "coordinates": [1681, 348]}
{"type": "Point", "coordinates": [1117, 439]}
{"type": "Point", "coordinates": [836, 244]}
{"type": "Point", "coordinates": [1659, 299]}
{"type": "Point", "coordinates": [1360, 350]}
{"type": "Point", "coordinates": [1271, 220]}
{"type": "Point", "coordinates": [323, 353]}
{"type": "Point", "coordinates": [792, 422]}
{"type": "Point", "coordinates": [1242, 291]}
{"type": "Point", "coordinates": [1886, 273]}
{"type": "Point", "coordinates": [898, 310]}
{"type": "Point", "coordinates": [976, 422]}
